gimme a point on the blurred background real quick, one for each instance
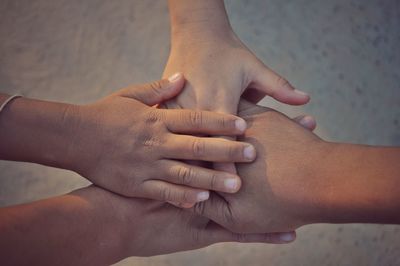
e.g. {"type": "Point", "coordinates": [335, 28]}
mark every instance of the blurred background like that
{"type": "Point", "coordinates": [345, 53]}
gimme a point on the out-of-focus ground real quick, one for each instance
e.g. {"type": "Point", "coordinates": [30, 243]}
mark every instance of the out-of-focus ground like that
{"type": "Point", "coordinates": [345, 53]}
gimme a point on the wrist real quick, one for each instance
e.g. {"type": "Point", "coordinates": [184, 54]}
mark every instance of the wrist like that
{"type": "Point", "coordinates": [106, 228]}
{"type": "Point", "coordinates": [317, 188]}
{"type": "Point", "coordinates": [35, 131]}
{"type": "Point", "coordinates": [198, 21]}
{"type": "Point", "coordinates": [360, 185]}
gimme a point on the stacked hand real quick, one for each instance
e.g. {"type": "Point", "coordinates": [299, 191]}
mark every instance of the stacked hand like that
{"type": "Point", "coordinates": [280, 192]}
{"type": "Point", "coordinates": [219, 70]}
{"type": "Point", "coordinates": [137, 148]}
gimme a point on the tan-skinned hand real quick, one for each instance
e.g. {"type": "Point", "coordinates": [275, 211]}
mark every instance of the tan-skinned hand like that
{"type": "Point", "coordinates": [126, 145]}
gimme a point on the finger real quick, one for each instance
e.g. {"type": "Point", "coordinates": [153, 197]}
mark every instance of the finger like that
{"type": "Point", "coordinates": [253, 95]}
{"type": "Point", "coordinates": [216, 209]}
{"type": "Point", "coordinates": [182, 205]}
{"type": "Point", "coordinates": [156, 91]}
{"type": "Point", "coordinates": [306, 121]}
{"type": "Point", "coordinates": [163, 191]}
{"type": "Point", "coordinates": [203, 122]}
{"type": "Point", "coordinates": [199, 177]}
{"type": "Point", "coordinates": [226, 167]}
{"type": "Point", "coordinates": [208, 149]}
{"type": "Point", "coordinates": [267, 81]}
{"type": "Point", "coordinates": [216, 233]}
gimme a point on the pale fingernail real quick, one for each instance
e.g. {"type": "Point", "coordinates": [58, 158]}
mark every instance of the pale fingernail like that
{"type": "Point", "coordinates": [202, 196]}
{"type": "Point", "coordinates": [231, 184]}
{"type": "Point", "coordinates": [287, 237]}
{"type": "Point", "coordinates": [301, 92]}
{"type": "Point", "coordinates": [240, 125]}
{"type": "Point", "coordinates": [174, 77]}
{"type": "Point", "coordinates": [306, 121]}
{"type": "Point", "coordinates": [249, 152]}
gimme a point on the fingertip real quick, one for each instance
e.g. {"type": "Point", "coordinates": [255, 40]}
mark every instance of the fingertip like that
{"type": "Point", "coordinates": [202, 196]}
{"type": "Point", "coordinates": [249, 152]}
{"type": "Point", "coordinates": [175, 77]}
{"type": "Point", "coordinates": [232, 185]}
{"type": "Point", "coordinates": [175, 84]}
{"type": "Point", "coordinates": [291, 96]}
{"type": "Point", "coordinates": [308, 122]}
{"type": "Point", "coordinates": [240, 124]}
{"type": "Point", "coordinates": [287, 237]}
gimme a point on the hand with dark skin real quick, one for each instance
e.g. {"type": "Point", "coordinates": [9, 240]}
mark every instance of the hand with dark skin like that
{"type": "Point", "coordinates": [92, 226]}
{"type": "Point", "coordinates": [124, 144]}
{"type": "Point", "coordinates": [300, 179]}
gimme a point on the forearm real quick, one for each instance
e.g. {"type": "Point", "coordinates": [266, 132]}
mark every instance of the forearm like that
{"type": "Point", "coordinates": [362, 184]}
{"type": "Point", "coordinates": [36, 131]}
{"type": "Point", "coordinates": [65, 230]}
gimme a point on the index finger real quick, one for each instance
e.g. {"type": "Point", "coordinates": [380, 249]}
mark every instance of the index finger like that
{"type": "Point", "coordinates": [203, 122]}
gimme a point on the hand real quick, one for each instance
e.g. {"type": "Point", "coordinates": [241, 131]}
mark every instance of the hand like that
{"type": "Point", "coordinates": [219, 69]}
{"type": "Point", "coordinates": [126, 146]}
{"type": "Point", "coordinates": [145, 228]}
{"type": "Point", "coordinates": [280, 191]}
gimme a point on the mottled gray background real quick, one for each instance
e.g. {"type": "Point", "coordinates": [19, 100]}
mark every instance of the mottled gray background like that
{"type": "Point", "coordinates": [346, 54]}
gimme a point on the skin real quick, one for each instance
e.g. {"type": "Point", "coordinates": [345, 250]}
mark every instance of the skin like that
{"type": "Point", "coordinates": [92, 226]}
{"type": "Point", "coordinates": [217, 64]}
{"type": "Point", "coordinates": [124, 144]}
{"type": "Point", "coordinates": [117, 232]}
{"type": "Point", "coordinates": [300, 179]}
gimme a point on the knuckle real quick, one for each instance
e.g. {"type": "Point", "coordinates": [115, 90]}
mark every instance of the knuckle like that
{"type": "Point", "coordinates": [223, 122]}
{"type": "Point", "coordinates": [155, 86]}
{"type": "Point", "coordinates": [165, 194]}
{"type": "Point", "coordinates": [241, 238]}
{"type": "Point", "coordinates": [196, 235]}
{"type": "Point", "coordinates": [196, 118]}
{"type": "Point", "coordinates": [186, 175]}
{"type": "Point", "coordinates": [198, 148]}
{"type": "Point", "coordinates": [153, 116]}
{"type": "Point", "coordinates": [282, 82]}
{"type": "Point", "coordinates": [233, 151]}
{"type": "Point", "coordinates": [227, 217]}
{"type": "Point", "coordinates": [213, 182]}
{"type": "Point", "coordinates": [199, 208]}
{"type": "Point", "coordinates": [150, 142]}
{"type": "Point", "coordinates": [185, 196]}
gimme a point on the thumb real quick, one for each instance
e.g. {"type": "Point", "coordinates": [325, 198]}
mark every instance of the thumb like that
{"type": "Point", "coordinates": [306, 121]}
{"type": "Point", "coordinates": [157, 91]}
{"type": "Point", "coordinates": [267, 81]}
{"type": "Point", "coordinates": [215, 233]}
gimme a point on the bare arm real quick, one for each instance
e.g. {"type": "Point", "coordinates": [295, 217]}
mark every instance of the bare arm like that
{"type": "Point", "coordinates": [36, 131]}
{"type": "Point", "coordinates": [65, 230]}
{"type": "Point", "coordinates": [362, 184]}
{"type": "Point", "coordinates": [126, 145]}
{"type": "Point", "coordinates": [299, 179]}
{"type": "Point", "coordinates": [92, 226]}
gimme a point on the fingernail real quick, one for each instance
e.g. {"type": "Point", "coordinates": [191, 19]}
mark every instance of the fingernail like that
{"type": "Point", "coordinates": [174, 77]}
{"type": "Point", "coordinates": [231, 184]}
{"type": "Point", "coordinates": [306, 121]}
{"type": "Point", "coordinates": [249, 152]}
{"type": "Point", "coordinates": [202, 196]}
{"type": "Point", "coordinates": [187, 205]}
{"type": "Point", "coordinates": [300, 92]}
{"type": "Point", "coordinates": [240, 125]}
{"type": "Point", "coordinates": [287, 237]}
